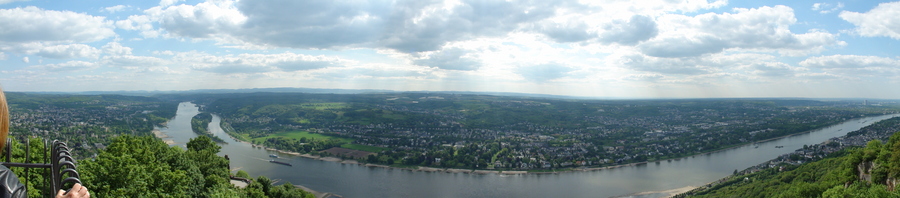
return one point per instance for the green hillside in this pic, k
(872, 171)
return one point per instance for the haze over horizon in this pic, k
(623, 49)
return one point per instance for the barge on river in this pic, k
(280, 162)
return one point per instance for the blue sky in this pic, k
(604, 48)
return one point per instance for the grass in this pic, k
(360, 147)
(241, 136)
(303, 134)
(325, 105)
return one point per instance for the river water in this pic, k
(350, 180)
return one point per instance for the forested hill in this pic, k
(870, 171)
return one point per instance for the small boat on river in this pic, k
(273, 156)
(280, 162)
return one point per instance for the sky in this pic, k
(589, 48)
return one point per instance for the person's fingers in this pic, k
(81, 191)
(60, 193)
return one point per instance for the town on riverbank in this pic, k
(476, 132)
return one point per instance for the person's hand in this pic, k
(77, 191)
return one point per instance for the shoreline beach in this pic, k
(661, 193)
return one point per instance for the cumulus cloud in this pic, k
(141, 23)
(774, 69)
(69, 66)
(849, 61)
(742, 63)
(323, 24)
(825, 8)
(407, 26)
(256, 63)
(655, 6)
(114, 9)
(195, 21)
(131, 61)
(116, 48)
(9, 1)
(32, 24)
(374, 71)
(638, 28)
(544, 72)
(165, 3)
(567, 32)
(880, 21)
(855, 65)
(51, 34)
(450, 59)
(643, 77)
(68, 51)
(25, 60)
(429, 26)
(759, 29)
(685, 66)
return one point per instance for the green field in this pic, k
(360, 147)
(302, 134)
(325, 105)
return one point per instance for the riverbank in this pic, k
(317, 193)
(518, 172)
(164, 137)
(660, 193)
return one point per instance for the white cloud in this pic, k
(544, 72)
(9, 1)
(25, 60)
(655, 6)
(855, 66)
(825, 8)
(774, 69)
(165, 3)
(139, 23)
(116, 48)
(849, 61)
(67, 51)
(32, 24)
(764, 29)
(638, 28)
(256, 63)
(374, 71)
(749, 66)
(114, 9)
(451, 59)
(131, 61)
(203, 20)
(880, 21)
(69, 66)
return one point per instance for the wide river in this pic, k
(350, 180)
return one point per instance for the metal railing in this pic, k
(62, 166)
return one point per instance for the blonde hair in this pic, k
(4, 120)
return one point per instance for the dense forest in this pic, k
(200, 126)
(871, 171)
(146, 167)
